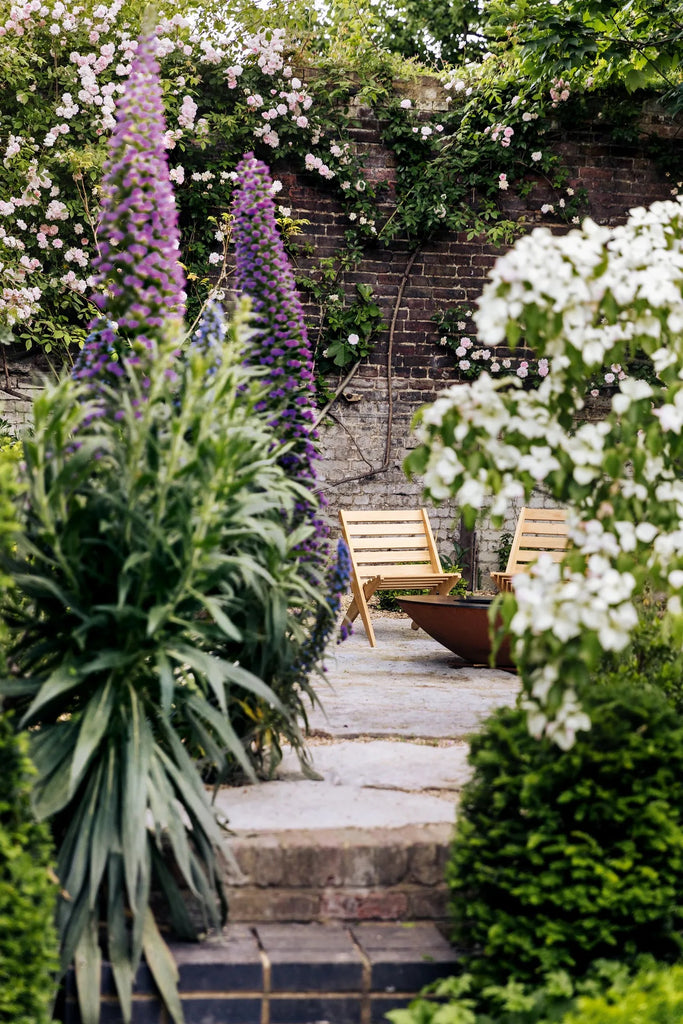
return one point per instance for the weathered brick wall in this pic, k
(20, 380)
(367, 432)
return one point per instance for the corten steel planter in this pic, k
(460, 624)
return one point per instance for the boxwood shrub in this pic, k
(28, 893)
(563, 857)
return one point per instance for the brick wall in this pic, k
(366, 433)
(20, 381)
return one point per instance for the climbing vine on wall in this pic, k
(264, 91)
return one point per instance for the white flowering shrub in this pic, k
(589, 299)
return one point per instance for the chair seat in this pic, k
(414, 582)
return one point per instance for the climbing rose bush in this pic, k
(583, 301)
(54, 131)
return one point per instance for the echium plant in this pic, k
(280, 345)
(154, 563)
(582, 301)
(138, 276)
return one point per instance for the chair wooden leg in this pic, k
(351, 612)
(367, 590)
(359, 606)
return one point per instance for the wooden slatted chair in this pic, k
(538, 529)
(392, 550)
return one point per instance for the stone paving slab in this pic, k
(280, 806)
(385, 764)
(389, 744)
(408, 685)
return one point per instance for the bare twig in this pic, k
(326, 408)
(14, 394)
(390, 395)
(351, 438)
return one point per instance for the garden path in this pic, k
(389, 741)
(368, 840)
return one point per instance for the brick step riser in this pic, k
(340, 875)
(394, 903)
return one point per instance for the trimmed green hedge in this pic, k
(28, 893)
(563, 857)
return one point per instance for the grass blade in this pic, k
(138, 747)
(118, 939)
(64, 678)
(93, 727)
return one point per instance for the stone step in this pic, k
(289, 974)
(345, 874)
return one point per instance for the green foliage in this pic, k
(504, 548)
(458, 1000)
(562, 857)
(608, 992)
(351, 329)
(28, 892)
(158, 614)
(10, 489)
(653, 657)
(654, 996)
(638, 45)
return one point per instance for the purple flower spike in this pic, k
(137, 267)
(281, 344)
(210, 335)
(264, 274)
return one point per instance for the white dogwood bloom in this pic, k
(584, 302)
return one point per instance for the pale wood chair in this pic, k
(392, 550)
(538, 529)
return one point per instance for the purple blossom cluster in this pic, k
(210, 336)
(281, 344)
(137, 266)
(338, 583)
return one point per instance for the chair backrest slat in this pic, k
(395, 540)
(538, 529)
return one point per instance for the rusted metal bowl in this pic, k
(459, 623)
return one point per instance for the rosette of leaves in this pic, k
(152, 553)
